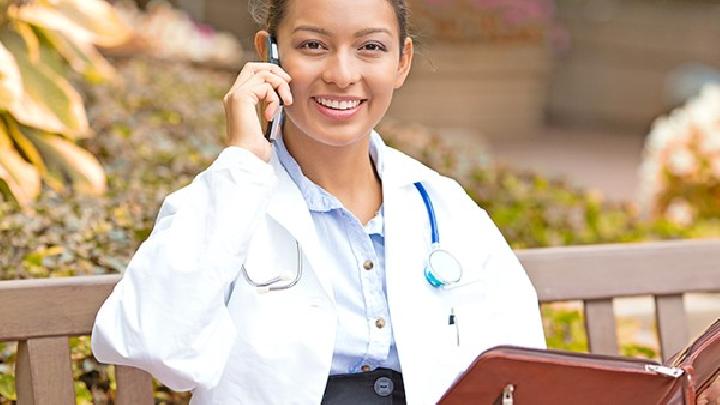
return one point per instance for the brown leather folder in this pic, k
(507, 375)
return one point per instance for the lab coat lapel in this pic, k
(289, 209)
(414, 305)
(407, 232)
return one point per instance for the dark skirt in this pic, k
(379, 387)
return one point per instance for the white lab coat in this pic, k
(184, 312)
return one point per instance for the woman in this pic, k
(340, 218)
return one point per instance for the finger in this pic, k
(264, 91)
(278, 83)
(272, 108)
(252, 68)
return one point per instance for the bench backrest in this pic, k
(41, 314)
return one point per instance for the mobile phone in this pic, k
(273, 56)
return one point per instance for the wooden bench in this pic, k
(41, 314)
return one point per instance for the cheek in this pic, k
(299, 85)
(381, 89)
(381, 79)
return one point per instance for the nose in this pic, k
(341, 69)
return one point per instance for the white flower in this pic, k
(710, 140)
(678, 143)
(680, 212)
(682, 162)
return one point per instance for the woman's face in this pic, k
(344, 60)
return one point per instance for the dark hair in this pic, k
(269, 13)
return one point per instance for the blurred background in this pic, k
(570, 121)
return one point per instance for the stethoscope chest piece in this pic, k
(442, 268)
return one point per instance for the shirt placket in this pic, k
(376, 311)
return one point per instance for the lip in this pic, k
(338, 115)
(339, 97)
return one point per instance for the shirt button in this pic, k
(380, 323)
(368, 265)
(365, 367)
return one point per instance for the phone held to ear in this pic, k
(273, 56)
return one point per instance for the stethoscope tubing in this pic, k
(435, 234)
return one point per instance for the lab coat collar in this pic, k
(398, 169)
(290, 210)
(288, 207)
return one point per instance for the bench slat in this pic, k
(671, 323)
(43, 373)
(589, 272)
(134, 386)
(600, 326)
(52, 307)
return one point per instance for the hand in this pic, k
(256, 82)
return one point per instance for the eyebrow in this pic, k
(323, 31)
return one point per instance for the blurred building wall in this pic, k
(224, 15)
(625, 59)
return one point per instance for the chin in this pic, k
(333, 135)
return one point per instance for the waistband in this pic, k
(379, 387)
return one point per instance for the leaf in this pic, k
(83, 58)
(86, 21)
(10, 81)
(50, 57)
(21, 178)
(26, 148)
(83, 396)
(32, 43)
(48, 101)
(85, 171)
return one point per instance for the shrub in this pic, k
(680, 173)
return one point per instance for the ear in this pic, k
(261, 44)
(405, 63)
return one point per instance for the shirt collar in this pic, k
(317, 198)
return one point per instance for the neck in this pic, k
(347, 172)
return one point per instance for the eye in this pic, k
(374, 47)
(312, 45)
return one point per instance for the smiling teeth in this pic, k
(338, 104)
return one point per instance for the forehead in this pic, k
(340, 16)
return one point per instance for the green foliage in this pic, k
(7, 386)
(636, 350)
(564, 328)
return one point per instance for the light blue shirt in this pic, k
(364, 339)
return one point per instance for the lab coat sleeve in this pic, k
(167, 315)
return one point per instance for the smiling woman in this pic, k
(308, 269)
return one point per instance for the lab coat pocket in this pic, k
(474, 319)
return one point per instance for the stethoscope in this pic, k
(442, 269)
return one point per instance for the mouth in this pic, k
(339, 104)
(338, 109)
